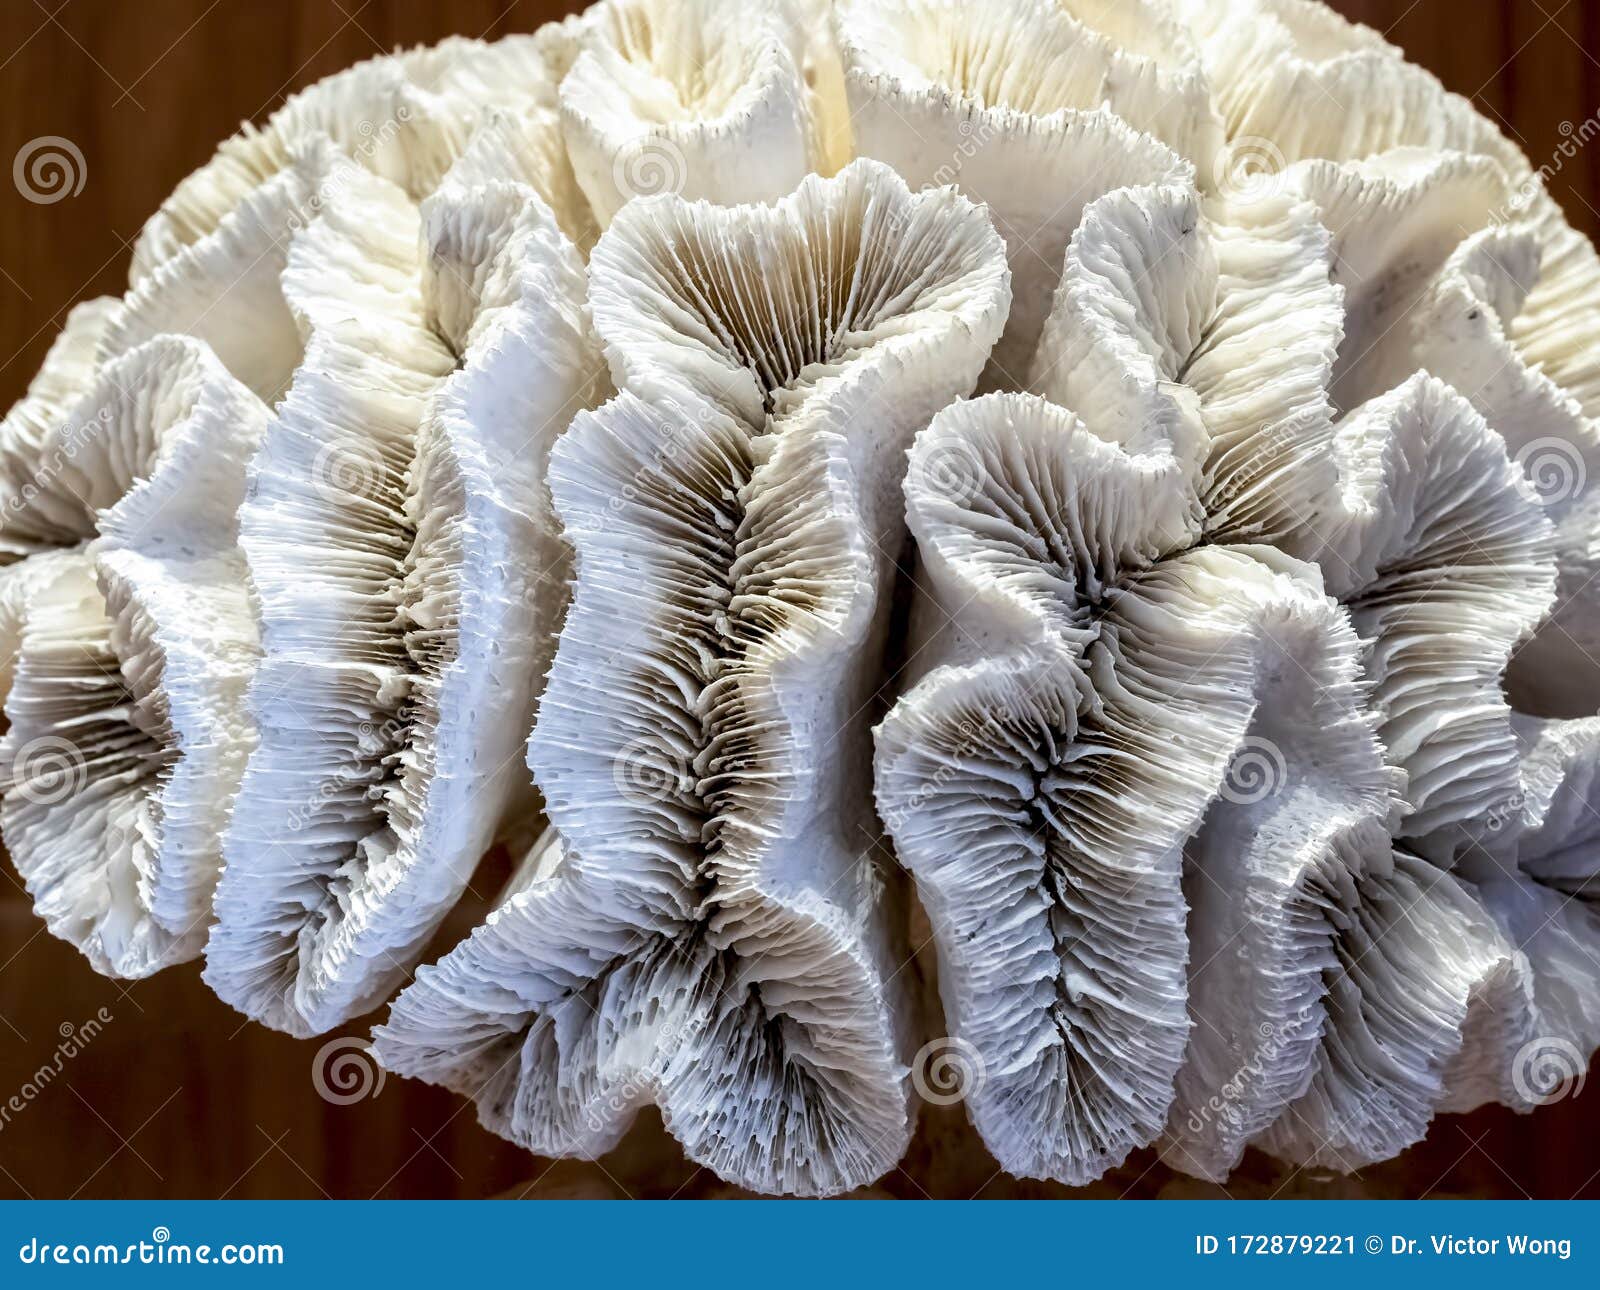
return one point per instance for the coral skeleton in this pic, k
(1111, 487)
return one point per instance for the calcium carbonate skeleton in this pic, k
(568, 437)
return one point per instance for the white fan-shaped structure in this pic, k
(402, 547)
(1024, 107)
(702, 98)
(567, 437)
(404, 116)
(713, 930)
(1093, 679)
(1498, 294)
(126, 733)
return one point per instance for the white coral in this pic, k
(1094, 675)
(1009, 102)
(126, 739)
(721, 924)
(700, 98)
(1234, 698)
(403, 552)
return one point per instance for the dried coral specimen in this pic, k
(711, 932)
(402, 547)
(1023, 106)
(704, 99)
(1460, 261)
(1095, 669)
(126, 740)
(1444, 561)
(404, 117)
(567, 438)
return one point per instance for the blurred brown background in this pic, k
(175, 1096)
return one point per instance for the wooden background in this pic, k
(175, 1097)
